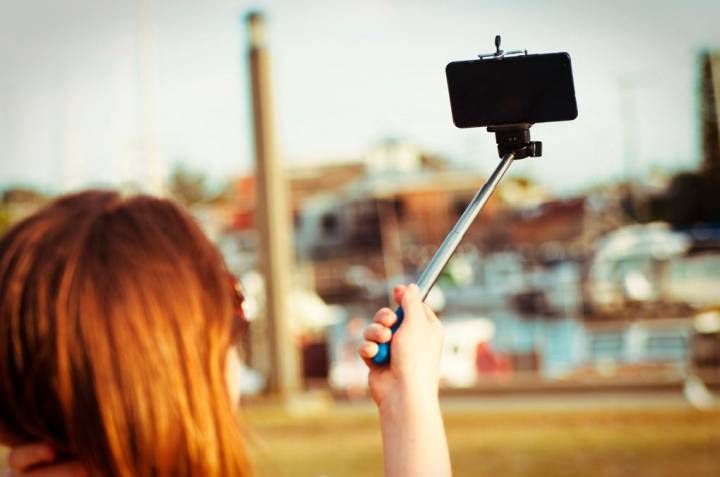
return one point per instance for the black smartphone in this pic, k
(511, 90)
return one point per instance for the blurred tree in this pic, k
(226, 193)
(709, 105)
(22, 195)
(189, 187)
(17, 203)
(5, 218)
(691, 198)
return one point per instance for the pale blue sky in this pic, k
(346, 74)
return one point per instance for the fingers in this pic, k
(368, 350)
(22, 458)
(377, 333)
(385, 317)
(398, 293)
(62, 469)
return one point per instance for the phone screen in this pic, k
(517, 89)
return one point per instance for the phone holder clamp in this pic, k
(515, 138)
(500, 54)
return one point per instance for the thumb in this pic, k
(412, 304)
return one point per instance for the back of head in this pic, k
(115, 323)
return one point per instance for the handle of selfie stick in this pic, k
(447, 248)
(383, 354)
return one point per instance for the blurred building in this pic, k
(651, 288)
(576, 287)
(359, 223)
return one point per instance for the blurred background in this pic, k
(313, 141)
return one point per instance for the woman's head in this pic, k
(116, 317)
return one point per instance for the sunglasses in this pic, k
(240, 322)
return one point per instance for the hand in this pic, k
(415, 349)
(406, 390)
(39, 460)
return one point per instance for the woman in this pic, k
(117, 326)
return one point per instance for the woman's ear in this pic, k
(7, 439)
(29, 456)
(233, 368)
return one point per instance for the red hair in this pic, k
(115, 324)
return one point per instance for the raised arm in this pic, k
(406, 391)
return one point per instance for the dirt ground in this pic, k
(492, 441)
(555, 443)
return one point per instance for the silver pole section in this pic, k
(433, 269)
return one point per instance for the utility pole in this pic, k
(273, 219)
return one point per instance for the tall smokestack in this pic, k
(272, 217)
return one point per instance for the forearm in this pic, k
(406, 390)
(413, 435)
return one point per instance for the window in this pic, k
(607, 345)
(666, 346)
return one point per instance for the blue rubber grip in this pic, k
(383, 354)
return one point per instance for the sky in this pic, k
(90, 90)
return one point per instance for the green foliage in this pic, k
(188, 187)
(191, 187)
(5, 219)
(18, 202)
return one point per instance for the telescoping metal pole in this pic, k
(436, 265)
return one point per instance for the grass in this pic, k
(602, 443)
(511, 444)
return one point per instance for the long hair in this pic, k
(116, 318)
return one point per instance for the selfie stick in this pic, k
(513, 143)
